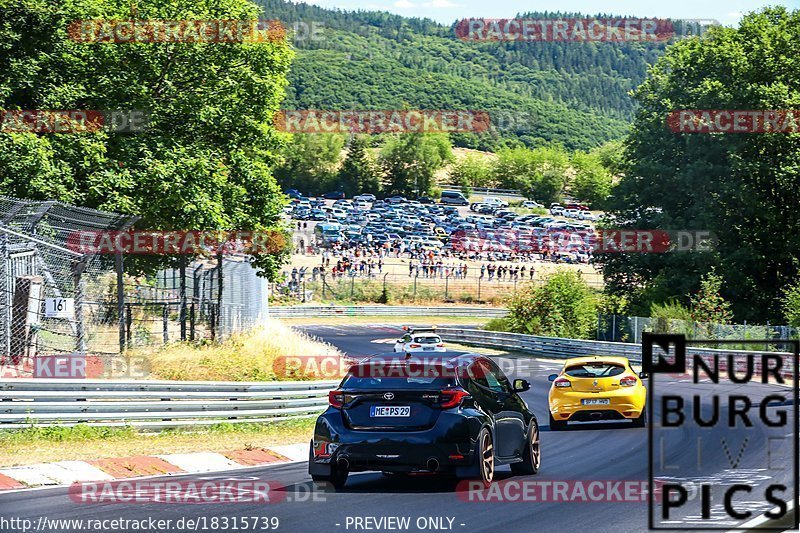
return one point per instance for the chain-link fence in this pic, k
(617, 328)
(447, 286)
(57, 299)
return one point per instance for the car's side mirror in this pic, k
(552, 377)
(520, 385)
(643, 375)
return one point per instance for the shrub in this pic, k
(564, 306)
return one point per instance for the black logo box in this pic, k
(676, 345)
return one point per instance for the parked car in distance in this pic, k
(453, 198)
(334, 195)
(532, 204)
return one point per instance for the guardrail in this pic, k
(156, 404)
(558, 348)
(484, 190)
(383, 310)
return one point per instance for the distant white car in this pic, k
(419, 341)
(531, 204)
(587, 215)
(556, 210)
(494, 202)
(572, 213)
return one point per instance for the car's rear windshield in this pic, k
(595, 370)
(396, 383)
(427, 340)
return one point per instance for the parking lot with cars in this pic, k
(485, 230)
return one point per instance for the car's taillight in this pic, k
(562, 383)
(336, 398)
(440, 345)
(415, 346)
(449, 398)
(628, 381)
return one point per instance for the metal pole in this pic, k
(120, 268)
(191, 322)
(479, 289)
(218, 315)
(80, 330)
(128, 324)
(182, 317)
(165, 322)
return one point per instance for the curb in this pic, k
(65, 473)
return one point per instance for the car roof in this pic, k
(597, 358)
(450, 358)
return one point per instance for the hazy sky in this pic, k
(726, 12)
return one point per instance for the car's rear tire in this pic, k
(531, 457)
(557, 425)
(485, 457)
(337, 477)
(641, 420)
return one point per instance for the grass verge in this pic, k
(247, 356)
(41, 445)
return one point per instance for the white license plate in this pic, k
(595, 401)
(387, 411)
(428, 348)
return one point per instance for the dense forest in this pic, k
(576, 94)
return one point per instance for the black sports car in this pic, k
(452, 412)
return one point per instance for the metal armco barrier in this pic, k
(156, 404)
(383, 310)
(558, 348)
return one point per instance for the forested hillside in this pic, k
(572, 93)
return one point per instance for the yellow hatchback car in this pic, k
(597, 388)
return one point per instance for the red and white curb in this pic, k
(69, 472)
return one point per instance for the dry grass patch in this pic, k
(244, 357)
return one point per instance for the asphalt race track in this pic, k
(591, 451)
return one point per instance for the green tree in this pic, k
(358, 173)
(564, 306)
(205, 160)
(470, 171)
(742, 188)
(310, 162)
(410, 162)
(592, 181)
(707, 304)
(791, 304)
(540, 173)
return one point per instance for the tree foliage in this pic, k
(411, 160)
(358, 173)
(205, 160)
(310, 162)
(564, 306)
(743, 188)
(576, 94)
(592, 181)
(540, 173)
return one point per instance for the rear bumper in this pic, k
(567, 406)
(448, 446)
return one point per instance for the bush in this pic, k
(791, 304)
(564, 306)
